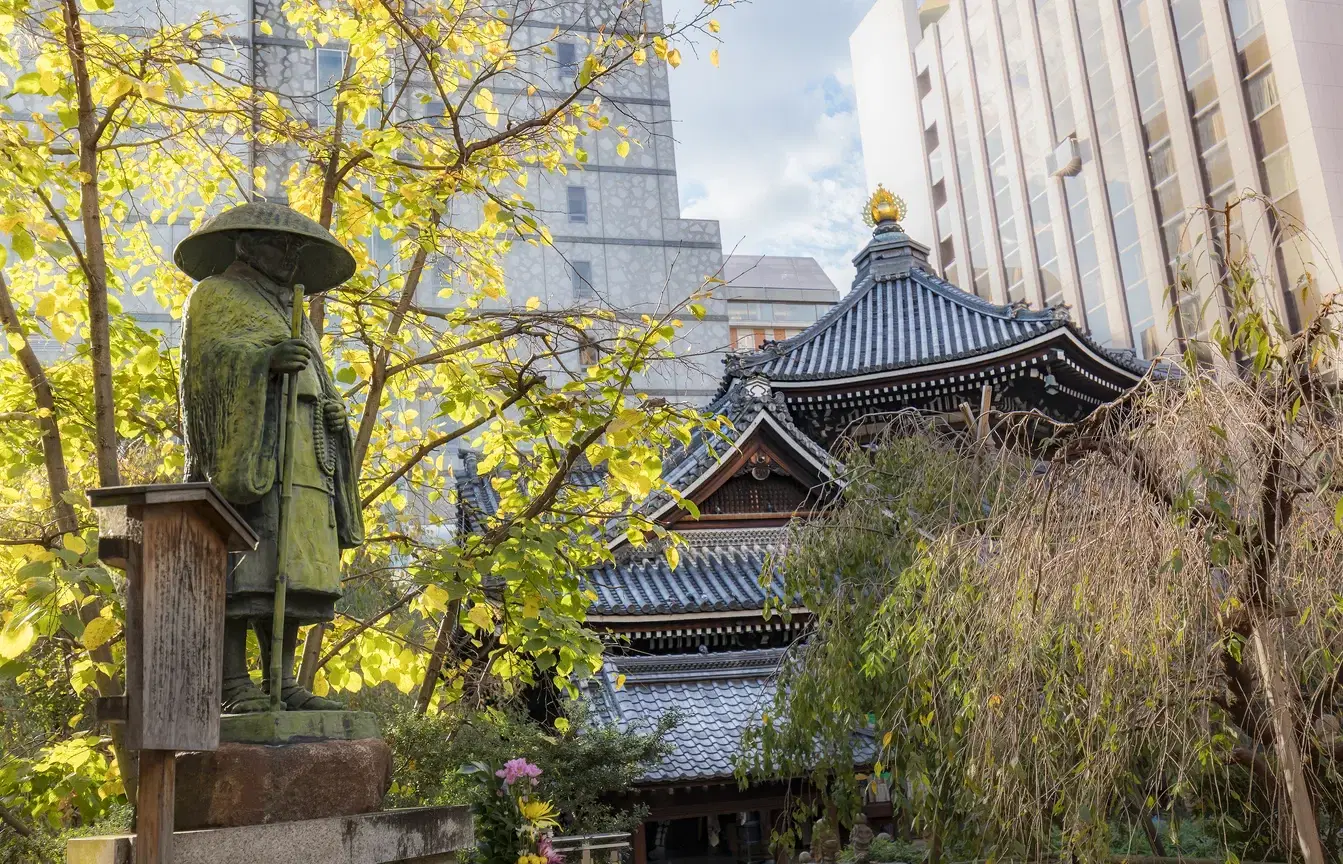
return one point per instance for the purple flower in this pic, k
(515, 769)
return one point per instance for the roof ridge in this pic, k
(956, 294)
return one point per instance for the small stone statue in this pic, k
(824, 842)
(804, 858)
(237, 355)
(860, 836)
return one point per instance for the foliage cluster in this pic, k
(587, 770)
(1134, 616)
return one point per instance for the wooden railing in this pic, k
(593, 848)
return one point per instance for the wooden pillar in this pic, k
(154, 807)
(641, 843)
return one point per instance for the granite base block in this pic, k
(253, 784)
(290, 727)
(426, 835)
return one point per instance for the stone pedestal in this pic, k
(428, 835)
(284, 767)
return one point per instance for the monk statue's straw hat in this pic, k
(322, 264)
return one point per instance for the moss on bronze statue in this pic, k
(237, 355)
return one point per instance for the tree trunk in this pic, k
(95, 256)
(312, 652)
(446, 628)
(1280, 701)
(58, 476)
(58, 485)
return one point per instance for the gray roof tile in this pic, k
(710, 578)
(714, 696)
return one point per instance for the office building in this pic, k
(1071, 151)
(772, 298)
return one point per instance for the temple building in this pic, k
(693, 639)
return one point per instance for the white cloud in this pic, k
(768, 143)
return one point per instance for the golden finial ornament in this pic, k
(884, 206)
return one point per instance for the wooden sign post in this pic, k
(172, 540)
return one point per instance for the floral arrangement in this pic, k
(513, 826)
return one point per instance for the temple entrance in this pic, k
(715, 839)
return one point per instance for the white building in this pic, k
(1056, 150)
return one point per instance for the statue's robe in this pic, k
(233, 406)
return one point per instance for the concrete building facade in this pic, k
(1073, 151)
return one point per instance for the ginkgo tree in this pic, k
(417, 157)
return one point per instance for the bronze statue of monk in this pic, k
(237, 355)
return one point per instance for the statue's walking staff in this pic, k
(285, 536)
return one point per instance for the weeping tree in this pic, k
(1048, 644)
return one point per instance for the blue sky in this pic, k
(767, 143)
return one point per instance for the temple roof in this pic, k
(714, 696)
(899, 315)
(719, 571)
(913, 320)
(748, 410)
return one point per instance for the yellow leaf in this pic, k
(620, 682)
(16, 342)
(435, 598)
(673, 557)
(14, 641)
(533, 303)
(120, 87)
(217, 65)
(886, 739)
(481, 616)
(713, 56)
(99, 632)
(713, 25)
(531, 606)
(46, 305)
(75, 544)
(640, 56)
(146, 360)
(674, 57)
(265, 28)
(152, 91)
(623, 149)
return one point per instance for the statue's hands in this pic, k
(334, 414)
(291, 355)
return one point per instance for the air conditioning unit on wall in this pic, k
(1066, 160)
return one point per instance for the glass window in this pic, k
(1245, 19)
(1056, 74)
(1280, 173)
(578, 204)
(794, 313)
(330, 71)
(1217, 170)
(1126, 229)
(1270, 131)
(580, 275)
(566, 61)
(1261, 92)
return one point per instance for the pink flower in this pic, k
(547, 850)
(515, 769)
